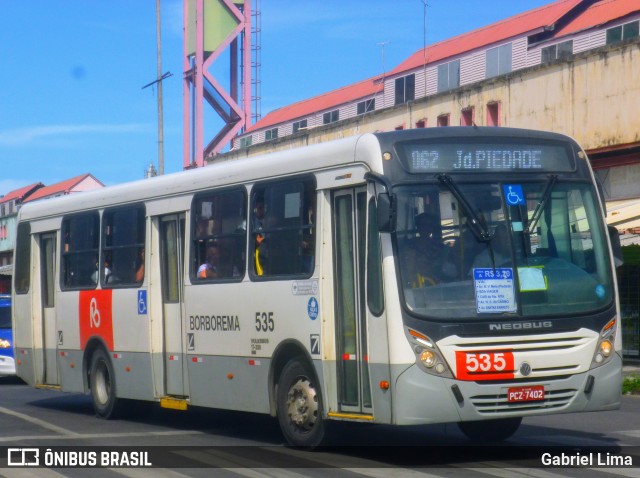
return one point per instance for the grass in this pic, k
(631, 385)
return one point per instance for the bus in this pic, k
(461, 275)
(7, 362)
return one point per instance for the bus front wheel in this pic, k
(103, 386)
(300, 406)
(490, 430)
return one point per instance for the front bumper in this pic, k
(423, 398)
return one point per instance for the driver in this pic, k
(430, 261)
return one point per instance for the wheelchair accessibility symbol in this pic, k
(513, 194)
(142, 302)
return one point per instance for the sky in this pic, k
(72, 72)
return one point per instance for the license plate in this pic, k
(526, 394)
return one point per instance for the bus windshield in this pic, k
(473, 250)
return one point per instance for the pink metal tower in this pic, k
(211, 27)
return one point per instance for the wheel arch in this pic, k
(93, 344)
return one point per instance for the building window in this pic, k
(467, 117)
(405, 89)
(443, 120)
(421, 123)
(366, 106)
(449, 76)
(623, 32)
(493, 113)
(330, 117)
(499, 60)
(246, 141)
(271, 134)
(556, 52)
(298, 125)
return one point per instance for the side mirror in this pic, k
(386, 213)
(616, 247)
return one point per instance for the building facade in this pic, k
(10, 205)
(570, 67)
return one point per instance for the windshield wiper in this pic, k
(475, 223)
(537, 213)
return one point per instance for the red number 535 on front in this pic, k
(490, 365)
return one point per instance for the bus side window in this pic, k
(283, 228)
(22, 276)
(81, 233)
(219, 235)
(123, 246)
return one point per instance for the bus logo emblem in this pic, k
(525, 369)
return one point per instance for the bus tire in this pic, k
(490, 430)
(299, 406)
(103, 386)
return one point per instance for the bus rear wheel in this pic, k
(103, 386)
(300, 406)
(490, 430)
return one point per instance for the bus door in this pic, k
(172, 280)
(49, 372)
(349, 228)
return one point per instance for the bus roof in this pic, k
(294, 161)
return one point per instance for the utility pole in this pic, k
(160, 113)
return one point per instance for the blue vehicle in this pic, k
(7, 362)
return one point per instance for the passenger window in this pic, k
(23, 259)
(80, 247)
(123, 250)
(283, 232)
(219, 236)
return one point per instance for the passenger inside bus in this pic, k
(210, 268)
(307, 245)
(107, 272)
(140, 265)
(259, 237)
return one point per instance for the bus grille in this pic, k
(490, 404)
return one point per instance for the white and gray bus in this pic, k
(437, 275)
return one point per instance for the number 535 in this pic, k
(264, 321)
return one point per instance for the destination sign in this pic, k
(474, 157)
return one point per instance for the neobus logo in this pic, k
(521, 326)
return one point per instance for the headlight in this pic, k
(605, 347)
(5, 344)
(428, 356)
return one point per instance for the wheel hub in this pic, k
(302, 404)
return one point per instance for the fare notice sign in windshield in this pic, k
(484, 157)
